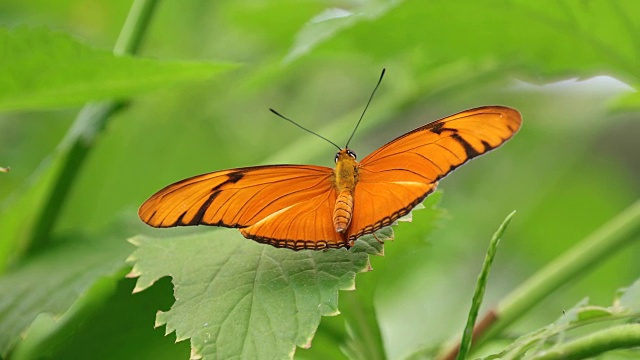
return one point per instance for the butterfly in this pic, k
(316, 207)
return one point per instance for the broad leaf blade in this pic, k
(123, 331)
(238, 298)
(562, 38)
(44, 69)
(49, 283)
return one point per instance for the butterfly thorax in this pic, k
(346, 177)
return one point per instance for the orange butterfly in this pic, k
(316, 207)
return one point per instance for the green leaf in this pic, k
(47, 332)
(81, 74)
(238, 298)
(627, 102)
(555, 341)
(478, 295)
(538, 338)
(629, 298)
(548, 38)
(331, 21)
(44, 69)
(121, 329)
(46, 285)
(610, 237)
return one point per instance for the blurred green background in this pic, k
(570, 67)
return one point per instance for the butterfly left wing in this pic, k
(282, 205)
(398, 176)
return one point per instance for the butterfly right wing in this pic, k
(283, 205)
(399, 175)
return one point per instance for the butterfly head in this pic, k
(345, 154)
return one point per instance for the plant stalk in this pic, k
(578, 261)
(89, 123)
(589, 346)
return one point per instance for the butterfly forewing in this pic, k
(399, 175)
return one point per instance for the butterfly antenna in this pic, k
(305, 129)
(366, 107)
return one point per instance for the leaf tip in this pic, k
(134, 240)
(306, 345)
(334, 312)
(194, 354)
(138, 289)
(134, 273)
(367, 267)
(178, 338)
(160, 321)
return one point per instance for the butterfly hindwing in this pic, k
(305, 225)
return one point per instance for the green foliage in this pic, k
(152, 120)
(555, 341)
(46, 285)
(44, 69)
(478, 295)
(239, 298)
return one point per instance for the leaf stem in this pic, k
(89, 123)
(134, 27)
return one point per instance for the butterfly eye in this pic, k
(352, 154)
(337, 156)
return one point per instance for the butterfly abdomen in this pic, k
(343, 211)
(346, 178)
